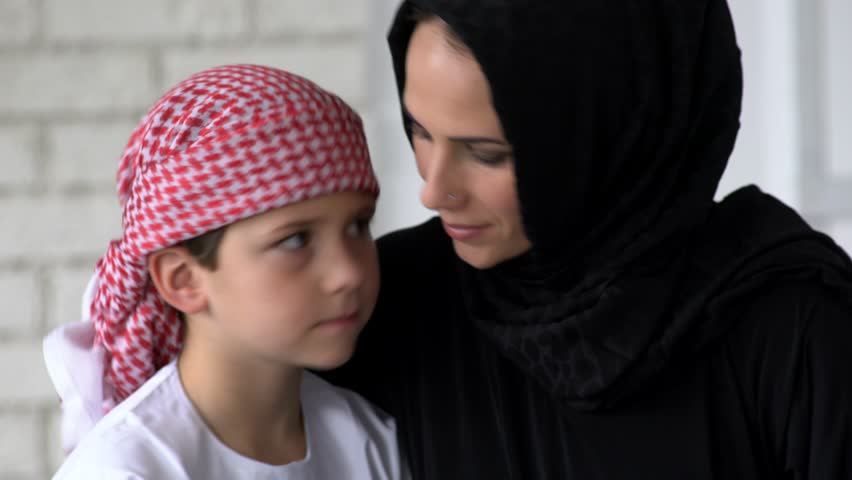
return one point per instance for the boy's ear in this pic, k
(177, 278)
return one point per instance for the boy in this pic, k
(245, 258)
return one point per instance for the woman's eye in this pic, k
(360, 227)
(491, 159)
(294, 242)
(419, 132)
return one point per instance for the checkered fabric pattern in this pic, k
(223, 145)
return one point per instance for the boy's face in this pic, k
(297, 284)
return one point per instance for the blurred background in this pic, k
(76, 75)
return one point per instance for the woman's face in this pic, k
(461, 151)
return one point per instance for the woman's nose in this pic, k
(440, 180)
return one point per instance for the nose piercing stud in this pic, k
(451, 196)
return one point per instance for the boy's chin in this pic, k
(332, 360)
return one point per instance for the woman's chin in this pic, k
(483, 257)
(479, 257)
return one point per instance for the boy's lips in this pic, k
(463, 232)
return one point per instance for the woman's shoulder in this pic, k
(797, 324)
(790, 355)
(793, 315)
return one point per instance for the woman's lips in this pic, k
(463, 232)
(343, 322)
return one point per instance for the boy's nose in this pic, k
(346, 269)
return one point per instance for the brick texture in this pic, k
(86, 153)
(52, 228)
(20, 300)
(299, 16)
(151, 21)
(67, 289)
(19, 444)
(47, 83)
(23, 375)
(17, 156)
(17, 22)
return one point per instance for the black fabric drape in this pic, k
(622, 116)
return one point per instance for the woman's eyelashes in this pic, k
(485, 157)
(491, 159)
(361, 226)
(418, 131)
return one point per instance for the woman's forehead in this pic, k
(444, 88)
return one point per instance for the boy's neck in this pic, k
(252, 406)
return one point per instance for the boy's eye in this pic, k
(294, 242)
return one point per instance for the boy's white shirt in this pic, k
(76, 368)
(157, 433)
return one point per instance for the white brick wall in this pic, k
(75, 77)
(56, 83)
(17, 22)
(55, 227)
(18, 156)
(67, 285)
(86, 153)
(25, 379)
(20, 446)
(151, 21)
(297, 16)
(20, 300)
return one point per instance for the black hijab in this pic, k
(622, 116)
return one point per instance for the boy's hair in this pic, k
(205, 247)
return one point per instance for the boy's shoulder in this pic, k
(345, 426)
(122, 452)
(342, 408)
(136, 439)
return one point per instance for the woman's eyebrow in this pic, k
(471, 140)
(474, 140)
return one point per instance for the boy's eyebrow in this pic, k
(310, 221)
(466, 140)
(292, 225)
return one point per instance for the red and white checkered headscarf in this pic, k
(223, 145)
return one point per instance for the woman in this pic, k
(582, 308)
